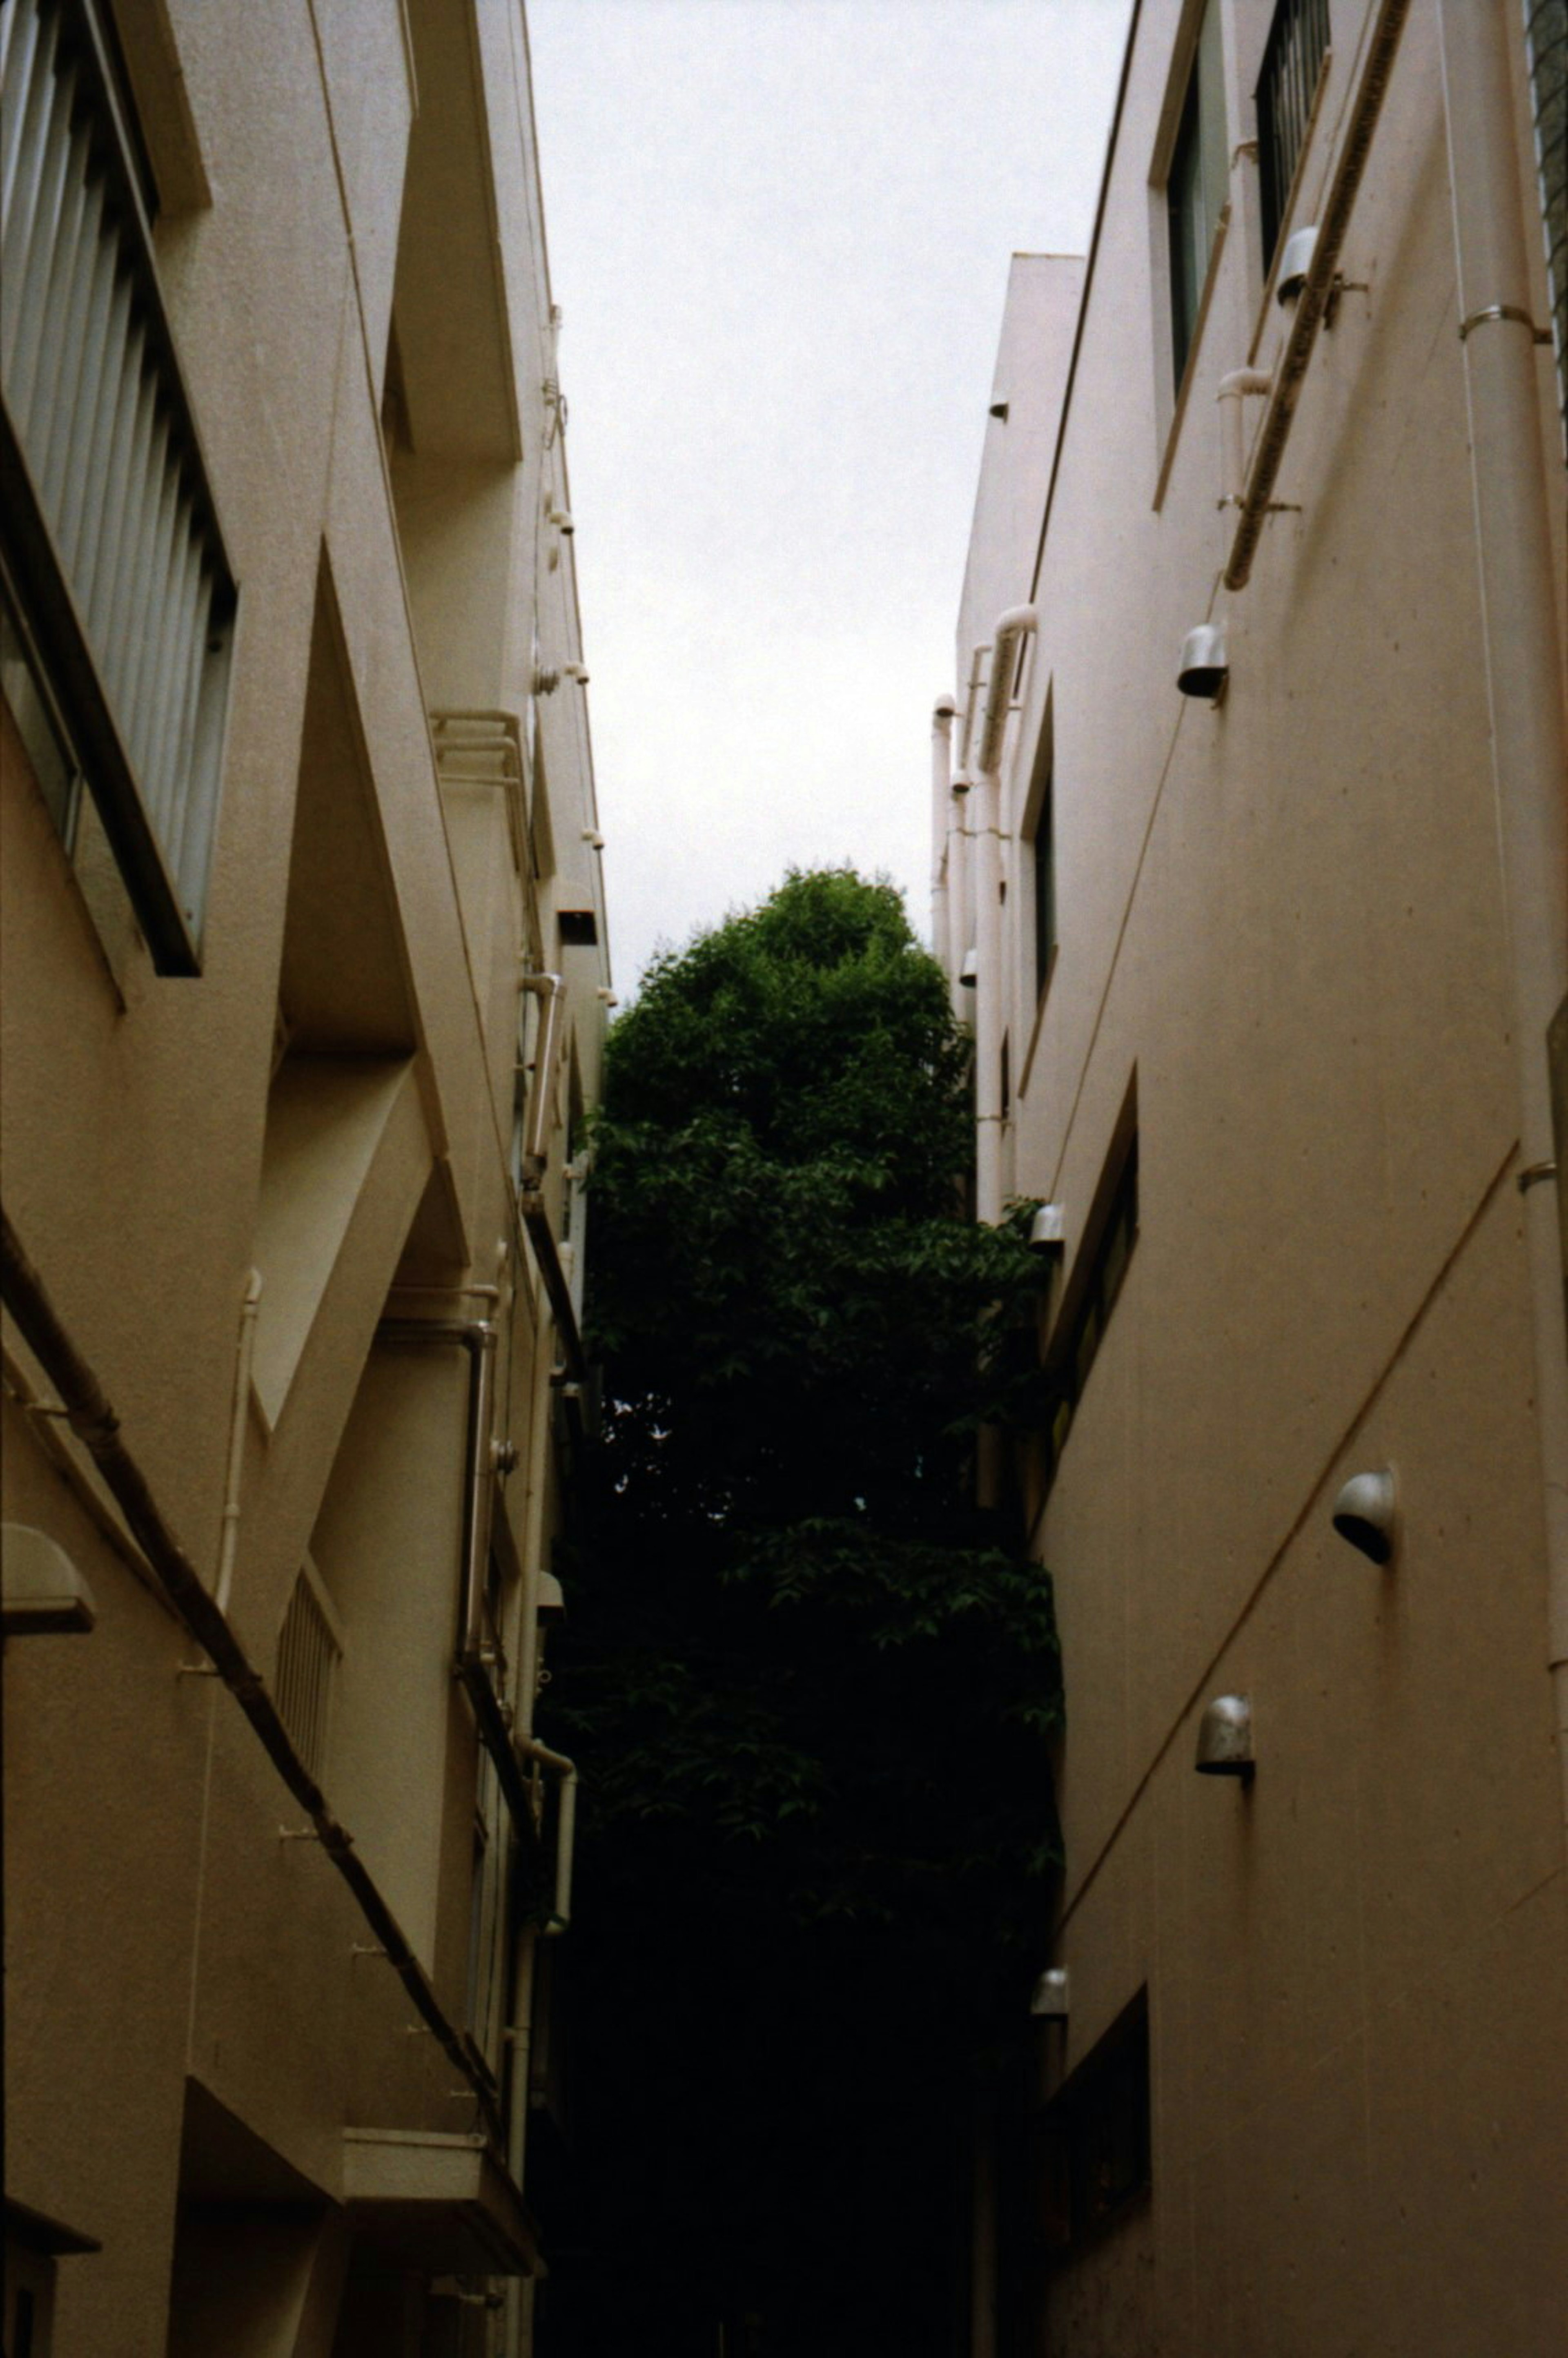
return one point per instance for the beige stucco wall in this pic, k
(158, 1923)
(1279, 922)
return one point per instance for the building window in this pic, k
(1196, 187)
(309, 1649)
(24, 686)
(1287, 86)
(111, 543)
(1096, 2144)
(1043, 865)
(1077, 1346)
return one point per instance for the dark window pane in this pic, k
(1044, 891)
(1293, 57)
(1195, 187)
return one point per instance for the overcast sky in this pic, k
(779, 231)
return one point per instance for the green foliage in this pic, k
(811, 1689)
(799, 1656)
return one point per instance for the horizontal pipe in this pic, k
(97, 1427)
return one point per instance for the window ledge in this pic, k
(1189, 375)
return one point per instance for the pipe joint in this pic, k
(1016, 624)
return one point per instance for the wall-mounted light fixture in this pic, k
(1294, 264)
(1224, 1738)
(1048, 1999)
(1048, 1228)
(575, 671)
(593, 838)
(1367, 1513)
(969, 970)
(45, 1596)
(1205, 668)
(962, 782)
(562, 520)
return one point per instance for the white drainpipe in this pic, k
(244, 1353)
(989, 979)
(1524, 686)
(1233, 390)
(961, 901)
(941, 803)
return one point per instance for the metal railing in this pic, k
(113, 534)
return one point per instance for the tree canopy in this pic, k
(811, 1685)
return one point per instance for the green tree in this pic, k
(812, 1686)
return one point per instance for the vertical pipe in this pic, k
(988, 1001)
(479, 1338)
(1524, 688)
(239, 1415)
(519, 2307)
(941, 803)
(960, 910)
(539, 1441)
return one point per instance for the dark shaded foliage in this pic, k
(811, 1686)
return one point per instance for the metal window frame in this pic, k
(1284, 100)
(39, 579)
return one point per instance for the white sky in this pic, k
(779, 231)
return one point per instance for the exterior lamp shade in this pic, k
(1224, 1738)
(1048, 2001)
(1048, 1228)
(1294, 264)
(1365, 1513)
(45, 1596)
(969, 971)
(1204, 668)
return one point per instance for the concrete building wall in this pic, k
(348, 241)
(1282, 966)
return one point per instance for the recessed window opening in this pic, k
(1287, 84)
(1097, 2142)
(24, 682)
(1038, 834)
(1042, 863)
(1195, 186)
(111, 533)
(1074, 1352)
